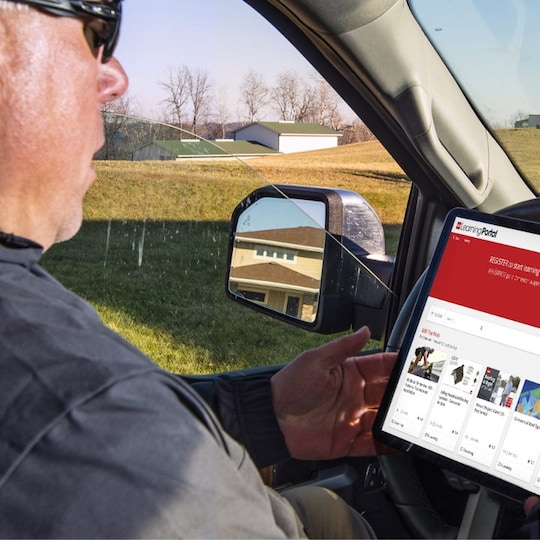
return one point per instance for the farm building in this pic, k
(199, 149)
(289, 137)
(255, 140)
(532, 121)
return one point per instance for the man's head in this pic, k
(54, 78)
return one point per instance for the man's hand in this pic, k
(326, 400)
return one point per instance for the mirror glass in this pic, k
(277, 256)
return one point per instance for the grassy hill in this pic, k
(524, 145)
(204, 190)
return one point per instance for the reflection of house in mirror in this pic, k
(280, 268)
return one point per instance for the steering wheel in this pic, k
(401, 471)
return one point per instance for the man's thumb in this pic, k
(337, 351)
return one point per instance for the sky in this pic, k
(227, 38)
(224, 37)
(494, 48)
(278, 213)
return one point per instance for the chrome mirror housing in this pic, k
(309, 256)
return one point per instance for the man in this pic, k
(95, 440)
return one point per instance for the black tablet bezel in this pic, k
(482, 478)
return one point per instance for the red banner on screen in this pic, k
(490, 277)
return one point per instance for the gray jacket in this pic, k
(97, 441)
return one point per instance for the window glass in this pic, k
(151, 254)
(493, 49)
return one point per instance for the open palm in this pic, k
(327, 398)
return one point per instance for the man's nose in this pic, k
(113, 81)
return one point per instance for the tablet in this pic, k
(465, 391)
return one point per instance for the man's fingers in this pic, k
(373, 393)
(365, 444)
(366, 378)
(374, 370)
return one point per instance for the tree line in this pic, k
(193, 102)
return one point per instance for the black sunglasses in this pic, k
(102, 26)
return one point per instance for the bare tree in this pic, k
(222, 111)
(518, 116)
(200, 88)
(115, 119)
(284, 95)
(177, 86)
(255, 94)
(325, 105)
(304, 104)
(356, 132)
(125, 104)
(188, 96)
(292, 98)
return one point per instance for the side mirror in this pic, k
(313, 257)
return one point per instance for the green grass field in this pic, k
(524, 145)
(151, 254)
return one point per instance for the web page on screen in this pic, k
(470, 386)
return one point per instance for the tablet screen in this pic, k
(465, 391)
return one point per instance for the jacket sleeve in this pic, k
(243, 403)
(142, 458)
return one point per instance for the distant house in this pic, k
(532, 121)
(200, 149)
(288, 137)
(280, 268)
